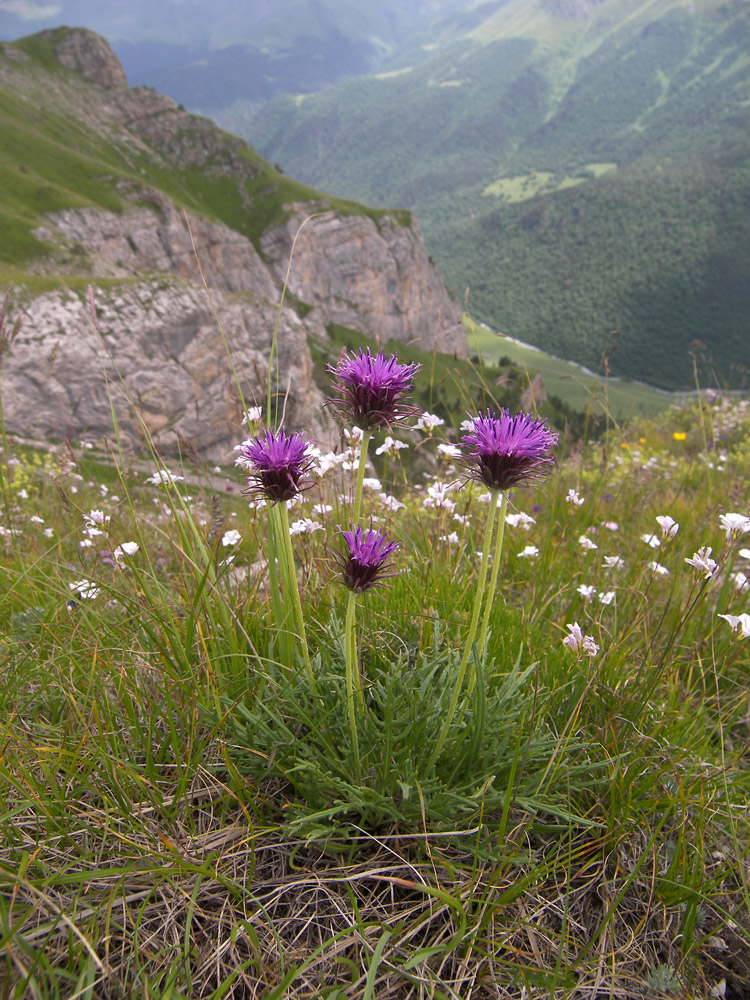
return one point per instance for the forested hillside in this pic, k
(580, 168)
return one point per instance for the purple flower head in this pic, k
(279, 464)
(372, 389)
(365, 563)
(508, 451)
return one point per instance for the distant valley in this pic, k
(578, 168)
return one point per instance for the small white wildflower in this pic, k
(49, 532)
(304, 526)
(390, 503)
(324, 463)
(22, 495)
(467, 425)
(104, 489)
(606, 596)
(578, 642)
(669, 527)
(87, 445)
(451, 539)
(463, 519)
(389, 444)
(355, 436)
(574, 498)
(611, 525)
(428, 422)
(126, 549)
(231, 537)
(92, 532)
(485, 498)
(84, 589)
(530, 552)
(322, 508)
(437, 496)
(586, 544)
(651, 540)
(658, 569)
(739, 624)
(702, 562)
(520, 520)
(449, 450)
(253, 416)
(35, 519)
(586, 591)
(740, 581)
(613, 562)
(744, 553)
(96, 517)
(85, 543)
(163, 477)
(735, 525)
(370, 483)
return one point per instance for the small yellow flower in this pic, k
(641, 440)
(679, 435)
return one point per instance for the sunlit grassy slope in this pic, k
(62, 147)
(574, 385)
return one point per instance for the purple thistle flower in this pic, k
(279, 464)
(508, 451)
(372, 389)
(365, 564)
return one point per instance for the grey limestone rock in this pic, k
(373, 276)
(156, 353)
(92, 55)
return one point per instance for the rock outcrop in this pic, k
(92, 56)
(168, 363)
(374, 277)
(176, 289)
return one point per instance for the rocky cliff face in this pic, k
(176, 279)
(155, 351)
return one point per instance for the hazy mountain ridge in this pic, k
(532, 162)
(230, 57)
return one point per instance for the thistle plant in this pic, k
(364, 566)
(371, 393)
(502, 452)
(278, 467)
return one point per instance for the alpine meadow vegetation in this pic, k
(458, 709)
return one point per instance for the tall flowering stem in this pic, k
(359, 488)
(292, 588)
(495, 573)
(278, 466)
(355, 701)
(364, 565)
(502, 452)
(486, 545)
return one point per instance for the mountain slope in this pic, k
(116, 187)
(581, 166)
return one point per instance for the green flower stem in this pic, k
(472, 629)
(352, 660)
(353, 681)
(360, 477)
(275, 553)
(493, 578)
(288, 570)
